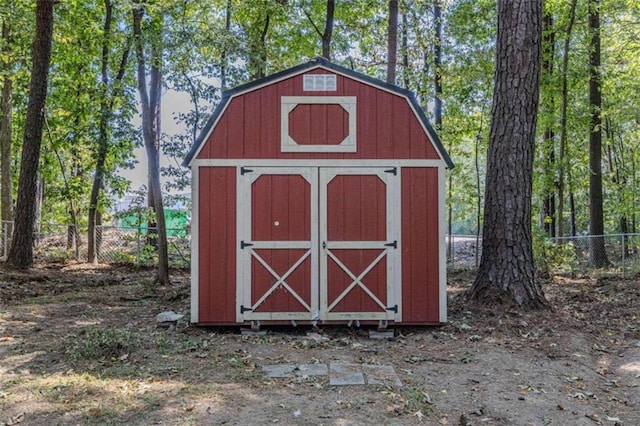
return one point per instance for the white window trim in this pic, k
(319, 82)
(288, 103)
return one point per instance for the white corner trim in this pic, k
(348, 103)
(195, 205)
(442, 245)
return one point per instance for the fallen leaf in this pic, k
(419, 415)
(594, 417)
(189, 407)
(18, 418)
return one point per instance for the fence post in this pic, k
(624, 255)
(5, 239)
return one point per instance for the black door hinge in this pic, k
(393, 171)
(393, 244)
(243, 309)
(243, 244)
(394, 309)
(244, 170)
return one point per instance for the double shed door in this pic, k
(318, 243)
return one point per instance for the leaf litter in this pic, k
(483, 367)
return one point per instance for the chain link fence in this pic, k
(617, 254)
(125, 245)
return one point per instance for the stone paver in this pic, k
(278, 371)
(340, 374)
(381, 375)
(345, 374)
(312, 370)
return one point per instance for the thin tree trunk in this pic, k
(597, 253)
(107, 100)
(150, 106)
(392, 41)
(437, 64)
(21, 252)
(328, 29)
(549, 202)
(564, 94)
(506, 274)
(6, 187)
(223, 56)
(405, 51)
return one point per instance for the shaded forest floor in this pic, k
(80, 345)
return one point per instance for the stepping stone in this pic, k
(381, 375)
(312, 370)
(345, 374)
(382, 335)
(276, 371)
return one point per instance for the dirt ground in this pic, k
(80, 345)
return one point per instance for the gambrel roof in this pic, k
(318, 63)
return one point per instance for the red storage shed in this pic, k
(318, 197)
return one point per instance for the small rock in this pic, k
(168, 316)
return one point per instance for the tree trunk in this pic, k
(405, 52)
(223, 55)
(564, 94)
(506, 274)
(328, 29)
(21, 252)
(550, 184)
(392, 41)
(6, 185)
(107, 100)
(437, 65)
(150, 106)
(597, 253)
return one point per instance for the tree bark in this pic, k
(392, 41)
(506, 274)
(21, 252)
(150, 106)
(5, 136)
(597, 253)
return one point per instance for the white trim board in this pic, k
(235, 162)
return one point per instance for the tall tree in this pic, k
(21, 252)
(506, 273)
(392, 41)
(326, 35)
(437, 64)
(548, 213)
(597, 253)
(6, 187)
(564, 100)
(109, 92)
(150, 106)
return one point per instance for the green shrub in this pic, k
(552, 257)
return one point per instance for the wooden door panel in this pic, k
(281, 208)
(359, 233)
(356, 209)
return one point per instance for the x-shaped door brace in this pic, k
(280, 280)
(357, 281)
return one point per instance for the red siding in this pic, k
(387, 127)
(217, 245)
(420, 254)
